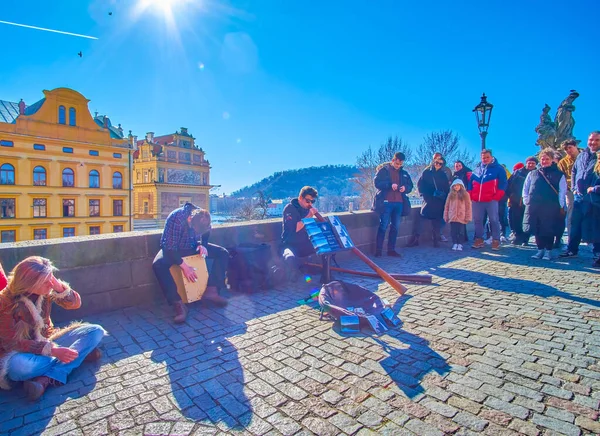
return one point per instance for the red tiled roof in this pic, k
(160, 139)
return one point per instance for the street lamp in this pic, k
(483, 111)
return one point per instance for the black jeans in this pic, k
(575, 231)
(216, 276)
(456, 229)
(515, 218)
(544, 242)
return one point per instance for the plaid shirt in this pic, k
(178, 235)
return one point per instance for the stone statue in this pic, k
(551, 134)
(546, 129)
(564, 120)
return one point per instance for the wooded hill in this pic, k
(328, 180)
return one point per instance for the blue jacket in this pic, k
(488, 182)
(582, 175)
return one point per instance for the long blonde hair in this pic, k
(597, 166)
(29, 274)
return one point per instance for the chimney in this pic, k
(134, 141)
(150, 137)
(105, 122)
(184, 131)
(22, 107)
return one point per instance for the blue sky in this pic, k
(289, 84)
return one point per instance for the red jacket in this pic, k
(3, 280)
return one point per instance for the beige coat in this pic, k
(458, 211)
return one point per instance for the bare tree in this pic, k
(367, 163)
(262, 204)
(246, 211)
(445, 142)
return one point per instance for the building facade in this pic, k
(62, 172)
(168, 171)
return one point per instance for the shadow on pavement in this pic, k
(20, 417)
(508, 284)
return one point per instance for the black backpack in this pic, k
(251, 268)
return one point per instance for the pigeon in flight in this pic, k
(80, 54)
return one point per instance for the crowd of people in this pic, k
(541, 197)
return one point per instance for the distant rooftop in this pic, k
(9, 111)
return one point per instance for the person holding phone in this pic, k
(391, 202)
(32, 350)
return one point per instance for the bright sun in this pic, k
(166, 7)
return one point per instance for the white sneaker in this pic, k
(548, 255)
(488, 241)
(455, 247)
(459, 248)
(503, 239)
(538, 255)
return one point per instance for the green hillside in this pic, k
(329, 180)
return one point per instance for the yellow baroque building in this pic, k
(168, 171)
(62, 172)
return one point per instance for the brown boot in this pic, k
(211, 295)
(94, 356)
(495, 245)
(36, 387)
(478, 243)
(180, 312)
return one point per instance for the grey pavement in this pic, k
(499, 344)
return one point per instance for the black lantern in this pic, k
(483, 111)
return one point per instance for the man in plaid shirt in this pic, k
(186, 232)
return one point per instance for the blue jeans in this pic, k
(391, 215)
(25, 366)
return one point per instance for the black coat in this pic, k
(542, 214)
(383, 184)
(591, 222)
(514, 188)
(464, 174)
(430, 181)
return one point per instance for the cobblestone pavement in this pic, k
(499, 344)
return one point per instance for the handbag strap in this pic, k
(433, 176)
(548, 181)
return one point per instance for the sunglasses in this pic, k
(438, 163)
(310, 200)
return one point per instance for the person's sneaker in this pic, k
(455, 247)
(394, 253)
(503, 239)
(488, 241)
(547, 255)
(478, 243)
(538, 255)
(495, 245)
(568, 253)
(443, 238)
(459, 247)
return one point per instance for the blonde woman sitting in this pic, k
(32, 350)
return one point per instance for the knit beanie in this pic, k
(533, 158)
(518, 166)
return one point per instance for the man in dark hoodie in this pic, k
(294, 239)
(516, 209)
(186, 233)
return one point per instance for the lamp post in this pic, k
(483, 111)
